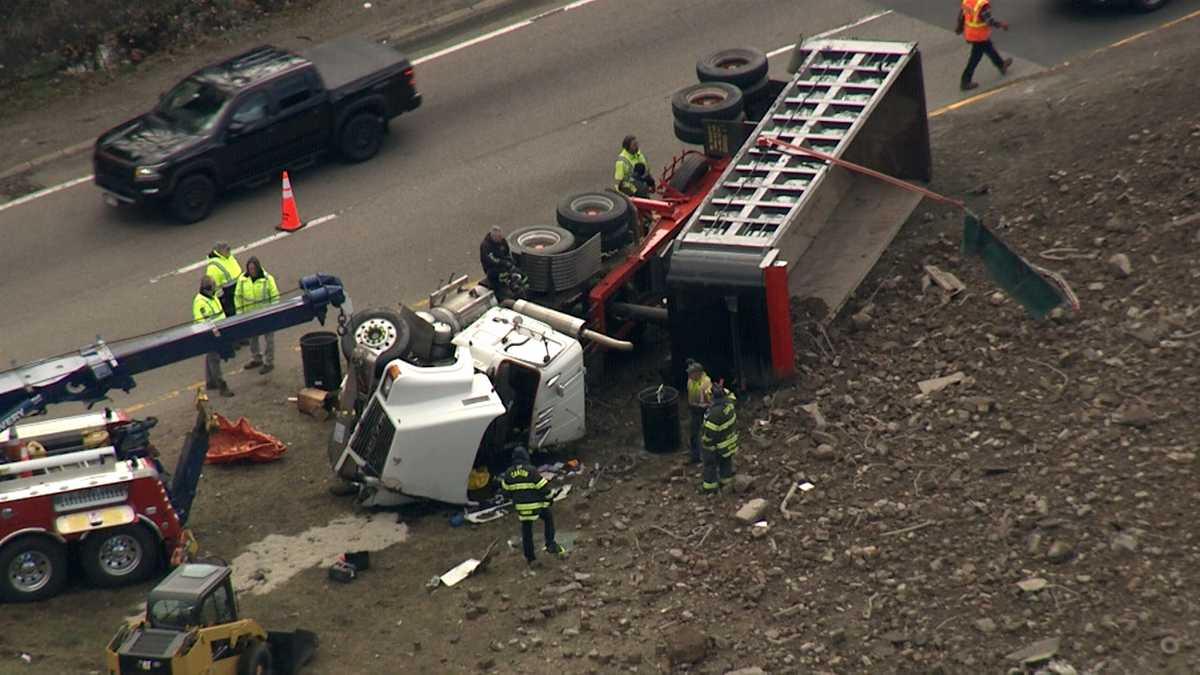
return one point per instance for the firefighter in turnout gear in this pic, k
(719, 440)
(532, 499)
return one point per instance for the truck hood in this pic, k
(148, 139)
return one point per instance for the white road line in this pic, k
(254, 244)
(424, 59)
(42, 193)
(500, 31)
(833, 31)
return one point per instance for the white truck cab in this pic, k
(505, 379)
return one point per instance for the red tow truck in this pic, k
(90, 487)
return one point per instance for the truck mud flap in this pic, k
(290, 650)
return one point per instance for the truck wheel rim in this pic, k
(30, 571)
(538, 239)
(378, 335)
(732, 63)
(592, 205)
(120, 555)
(708, 97)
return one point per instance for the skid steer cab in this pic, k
(192, 627)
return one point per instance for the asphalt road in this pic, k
(509, 126)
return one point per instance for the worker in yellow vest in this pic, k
(699, 397)
(631, 174)
(975, 23)
(255, 289)
(225, 271)
(206, 307)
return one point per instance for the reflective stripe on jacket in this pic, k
(255, 293)
(975, 27)
(205, 308)
(527, 489)
(223, 269)
(623, 174)
(699, 392)
(719, 432)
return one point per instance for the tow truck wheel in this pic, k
(255, 659)
(32, 568)
(361, 137)
(740, 66)
(709, 100)
(382, 331)
(193, 198)
(589, 213)
(119, 555)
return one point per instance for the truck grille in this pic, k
(373, 439)
(90, 498)
(115, 177)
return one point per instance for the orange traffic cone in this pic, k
(289, 221)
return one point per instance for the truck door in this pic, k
(558, 414)
(248, 132)
(301, 124)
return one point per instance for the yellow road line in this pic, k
(972, 99)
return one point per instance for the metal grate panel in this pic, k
(763, 189)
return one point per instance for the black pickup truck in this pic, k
(242, 121)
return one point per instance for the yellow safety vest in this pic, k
(205, 308)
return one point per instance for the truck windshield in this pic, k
(177, 614)
(193, 105)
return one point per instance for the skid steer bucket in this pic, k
(291, 649)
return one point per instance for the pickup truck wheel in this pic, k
(255, 659)
(740, 66)
(382, 331)
(361, 137)
(117, 556)
(588, 213)
(540, 240)
(709, 100)
(193, 198)
(32, 568)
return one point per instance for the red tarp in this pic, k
(241, 442)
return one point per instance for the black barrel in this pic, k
(322, 361)
(660, 418)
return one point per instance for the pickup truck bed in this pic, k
(349, 65)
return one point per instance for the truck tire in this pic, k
(193, 198)
(117, 556)
(32, 568)
(689, 134)
(754, 92)
(589, 213)
(690, 169)
(709, 100)
(540, 240)
(740, 66)
(361, 137)
(255, 659)
(382, 331)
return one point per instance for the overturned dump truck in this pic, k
(779, 224)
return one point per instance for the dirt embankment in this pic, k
(41, 38)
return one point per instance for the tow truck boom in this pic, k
(90, 373)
